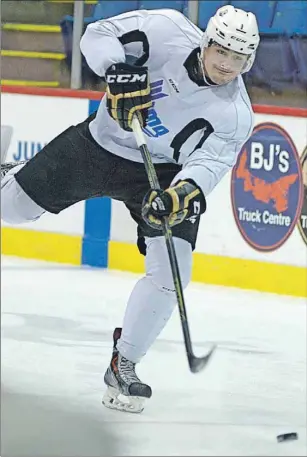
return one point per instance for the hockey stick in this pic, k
(196, 364)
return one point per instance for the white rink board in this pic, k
(69, 221)
(37, 120)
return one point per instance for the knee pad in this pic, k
(158, 268)
(16, 206)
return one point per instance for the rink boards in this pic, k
(251, 236)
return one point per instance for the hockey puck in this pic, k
(287, 437)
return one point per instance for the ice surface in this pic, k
(57, 325)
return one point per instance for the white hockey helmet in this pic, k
(233, 29)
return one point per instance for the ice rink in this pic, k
(57, 325)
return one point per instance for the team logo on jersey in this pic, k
(266, 188)
(302, 221)
(154, 126)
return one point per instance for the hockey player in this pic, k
(187, 87)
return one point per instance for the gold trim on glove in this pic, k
(138, 93)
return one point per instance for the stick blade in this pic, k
(197, 364)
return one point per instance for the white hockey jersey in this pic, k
(198, 126)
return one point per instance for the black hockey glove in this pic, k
(183, 201)
(128, 91)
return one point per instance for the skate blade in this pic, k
(113, 399)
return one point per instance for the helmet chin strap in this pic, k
(201, 64)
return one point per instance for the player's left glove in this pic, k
(183, 201)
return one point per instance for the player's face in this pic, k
(223, 65)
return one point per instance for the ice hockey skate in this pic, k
(125, 390)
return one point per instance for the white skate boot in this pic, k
(125, 390)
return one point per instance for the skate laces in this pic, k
(126, 370)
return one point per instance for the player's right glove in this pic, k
(128, 93)
(177, 203)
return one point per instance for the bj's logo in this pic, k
(267, 188)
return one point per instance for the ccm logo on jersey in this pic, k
(126, 78)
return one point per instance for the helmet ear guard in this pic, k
(249, 63)
(233, 29)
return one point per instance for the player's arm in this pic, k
(202, 171)
(142, 35)
(139, 34)
(103, 42)
(128, 86)
(207, 165)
